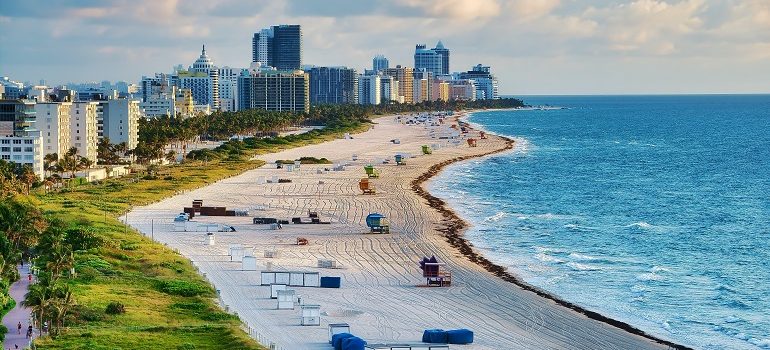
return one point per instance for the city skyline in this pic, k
(534, 47)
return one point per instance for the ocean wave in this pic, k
(657, 268)
(578, 256)
(494, 218)
(650, 276)
(583, 267)
(641, 225)
(548, 258)
(579, 228)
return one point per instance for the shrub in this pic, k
(186, 346)
(182, 288)
(115, 308)
(193, 305)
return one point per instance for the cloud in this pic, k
(464, 10)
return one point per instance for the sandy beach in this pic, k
(383, 295)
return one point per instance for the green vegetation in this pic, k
(105, 286)
(305, 160)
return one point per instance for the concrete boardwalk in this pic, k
(19, 314)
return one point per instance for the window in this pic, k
(6, 157)
(28, 157)
(5, 149)
(16, 142)
(17, 149)
(17, 157)
(77, 138)
(49, 134)
(28, 149)
(5, 142)
(27, 142)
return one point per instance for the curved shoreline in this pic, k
(453, 231)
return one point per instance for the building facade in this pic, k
(369, 90)
(228, 88)
(380, 63)
(202, 79)
(53, 121)
(118, 119)
(405, 78)
(274, 90)
(388, 89)
(83, 129)
(20, 141)
(278, 46)
(333, 85)
(486, 83)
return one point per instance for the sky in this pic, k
(533, 46)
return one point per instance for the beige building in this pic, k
(440, 90)
(53, 121)
(83, 129)
(185, 106)
(405, 78)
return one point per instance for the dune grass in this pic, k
(167, 304)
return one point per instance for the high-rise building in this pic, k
(369, 90)
(53, 121)
(427, 59)
(203, 81)
(118, 119)
(423, 83)
(380, 63)
(20, 141)
(405, 78)
(279, 46)
(13, 89)
(388, 89)
(444, 52)
(83, 129)
(274, 90)
(486, 83)
(185, 106)
(333, 85)
(440, 90)
(228, 88)
(158, 96)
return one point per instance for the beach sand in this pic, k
(383, 295)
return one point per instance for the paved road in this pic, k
(18, 314)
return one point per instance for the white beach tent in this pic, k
(285, 299)
(249, 263)
(311, 315)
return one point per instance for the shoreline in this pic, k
(454, 233)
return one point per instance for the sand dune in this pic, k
(382, 295)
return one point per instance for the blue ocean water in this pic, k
(654, 210)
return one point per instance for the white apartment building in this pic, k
(228, 88)
(53, 121)
(20, 141)
(369, 90)
(118, 119)
(83, 129)
(388, 89)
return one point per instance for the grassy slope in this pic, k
(130, 267)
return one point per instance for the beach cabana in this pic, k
(371, 171)
(472, 142)
(400, 159)
(311, 315)
(286, 299)
(275, 288)
(249, 263)
(426, 149)
(338, 328)
(377, 223)
(366, 186)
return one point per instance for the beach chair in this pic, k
(472, 142)
(426, 149)
(377, 223)
(371, 171)
(366, 186)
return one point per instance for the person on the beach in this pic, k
(19, 326)
(30, 277)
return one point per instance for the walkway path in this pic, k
(18, 314)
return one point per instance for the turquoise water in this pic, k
(654, 210)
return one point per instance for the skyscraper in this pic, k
(486, 83)
(279, 46)
(333, 85)
(405, 78)
(435, 60)
(203, 80)
(379, 63)
(369, 90)
(274, 90)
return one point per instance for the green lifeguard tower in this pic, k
(426, 149)
(371, 171)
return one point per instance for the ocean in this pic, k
(653, 210)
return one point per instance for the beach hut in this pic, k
(472, 142)
(371, 171)
(366, 186)
(275, 288)
(400, 159)
(338, 328)
(210, 238)
(426, 149)
(311, 315)
(377, 223)
(249, 263)
(286, 299)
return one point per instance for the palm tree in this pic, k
(28, 177)
(37, 299)
(48, 162)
